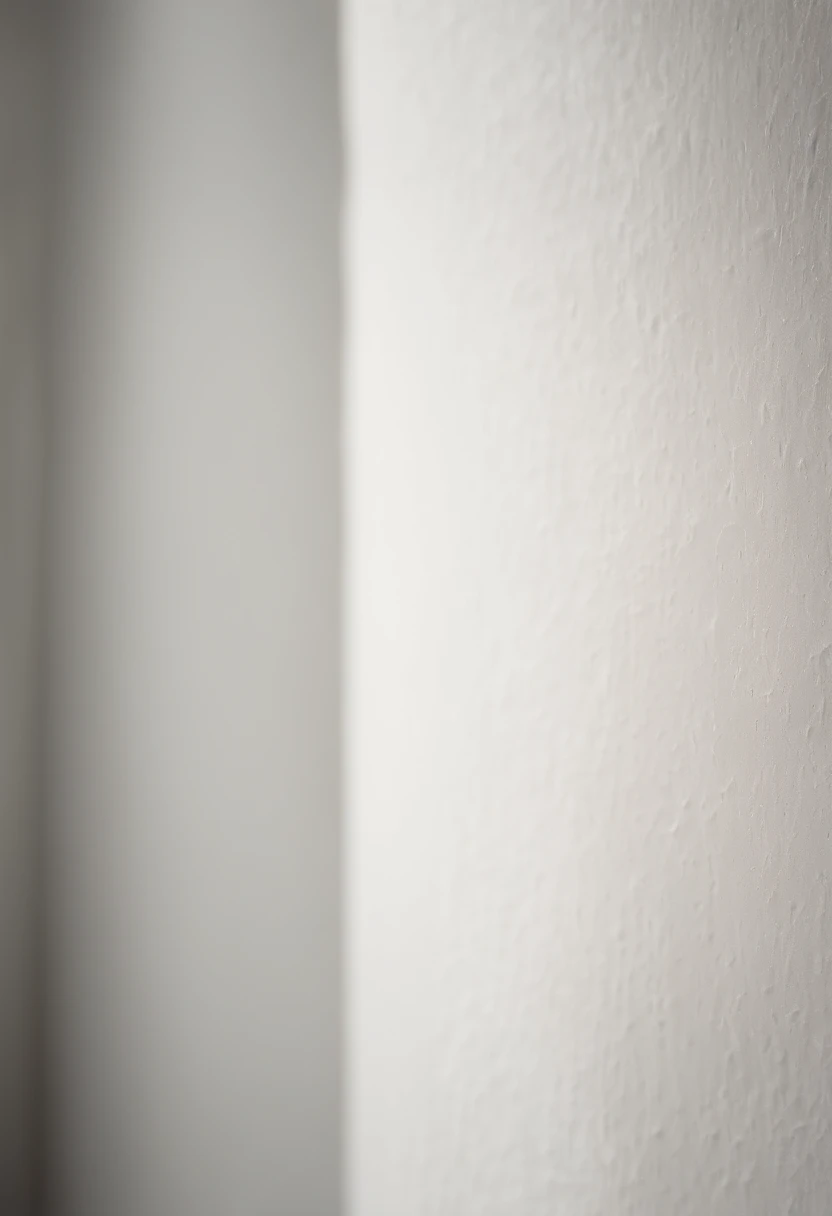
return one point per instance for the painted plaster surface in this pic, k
(589, 451)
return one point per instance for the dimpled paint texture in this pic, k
(589, 630)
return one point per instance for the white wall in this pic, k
(24, 56)
(193, 814)
(590, 639)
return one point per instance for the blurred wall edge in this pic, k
(24, 124)
(192, 845)
(590, 639)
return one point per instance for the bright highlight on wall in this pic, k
(590, 465)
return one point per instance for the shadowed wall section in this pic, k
(25, 40)
(193, 840)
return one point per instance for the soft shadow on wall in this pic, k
(186, 900)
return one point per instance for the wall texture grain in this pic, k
(590, 639)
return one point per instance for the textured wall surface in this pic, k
(24, 46)
(193, 833)
(590, 636)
